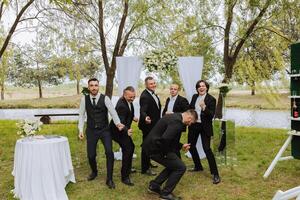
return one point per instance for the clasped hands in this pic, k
(202, 105)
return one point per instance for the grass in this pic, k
(64, 96)
(255, 149)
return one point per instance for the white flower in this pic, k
(28, 127)
(162, 59)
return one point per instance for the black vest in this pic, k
(97, 117)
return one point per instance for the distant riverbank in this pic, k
(235, 99)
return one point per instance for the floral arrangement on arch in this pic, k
(162, 59)
(28, 127)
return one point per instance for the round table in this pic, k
(42, 168)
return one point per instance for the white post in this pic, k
(277, 158)
(289, 194)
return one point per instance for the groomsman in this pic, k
(150, 113)
(205, 106)
(175, 103)
(161, 145)
(125, 112)
(96, 106)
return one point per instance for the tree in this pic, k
(32, 65)
(241, 20)
(5, 64)
(113, 26)
(261, 59)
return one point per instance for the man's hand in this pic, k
(120, 126)
(129, 132)
(186, 147)
(81, 136)
(135, 119)
(148, 120)
(202, 105)
(168, 112)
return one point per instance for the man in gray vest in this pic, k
(96, 106)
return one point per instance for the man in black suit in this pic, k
(150, 113)
(205, 106)
(161, 145)
(125, 112)
(175, 103)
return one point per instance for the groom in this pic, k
(96, 106)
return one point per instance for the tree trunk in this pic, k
(2, 91)
(253, 89)
(40, 88)
(219, 108)
(77, 86)
(109, 82)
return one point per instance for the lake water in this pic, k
(242, 117)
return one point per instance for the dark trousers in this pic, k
(92, 136)
(145, 159)
(174, 170)
(194, 132)
(127, 146)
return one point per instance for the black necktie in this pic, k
(94, 101)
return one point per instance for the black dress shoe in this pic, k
(132, 170)
(153, 166)
(127, 181)
(110, 184)
(169, 197)
(154, 190)
(149, 172)
(216, 179)
(92, 176)
(196, 169)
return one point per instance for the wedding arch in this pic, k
(189, 68)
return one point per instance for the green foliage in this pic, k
(85, 91)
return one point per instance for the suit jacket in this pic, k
(207, 115)
(165, 135)
(148, 107)
(125, 115)
(181, 104)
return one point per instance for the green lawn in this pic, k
(255, 149)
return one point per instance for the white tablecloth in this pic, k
(42, 169)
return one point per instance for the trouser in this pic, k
(127, 146)
(174, 170)
(193, 135)
(93, 135)
(145, 159)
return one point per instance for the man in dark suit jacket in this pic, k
(150, 113)
(176, 103)
(125, 112)
(205, 106)
(161, 145)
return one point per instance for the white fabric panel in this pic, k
(128, 72)
(190, 71)
(42, 169)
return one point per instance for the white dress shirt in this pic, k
(113, 113)
(171, 103)
(197, 106)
